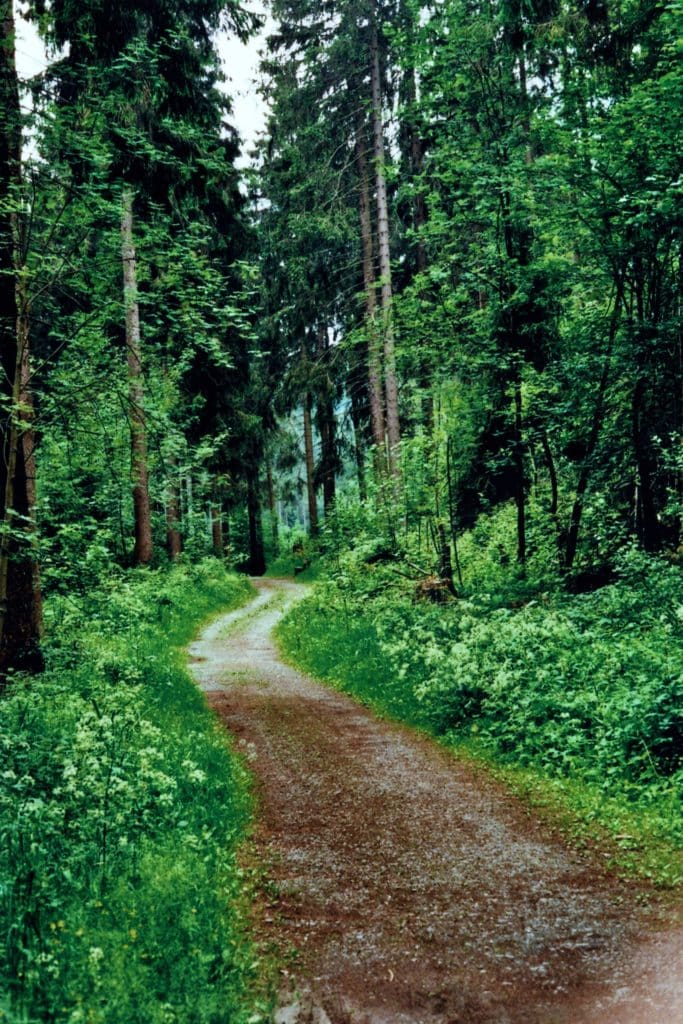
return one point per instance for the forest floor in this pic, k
(405, 887)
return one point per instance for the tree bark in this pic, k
(327, 447)
(357, 420)
(326, 425)
(593, 438)
(520, 479)
(257, 559)
(445, 561)
(310, 468)
(272, 506)
(189, 505)
(451, 506)
(369, 285)
(142, 552)
(420, 217)
(174, 539)
(217, 528)
(647, 523)
(415, 154)
(390, 384)
(554, 490)
(678, 391)
(20, 604)
(28, 443)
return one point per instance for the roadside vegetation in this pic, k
(433, 335)
(578, 697)
(121, 806)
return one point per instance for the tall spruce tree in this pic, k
(20, 600)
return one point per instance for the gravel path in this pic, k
(414, 889)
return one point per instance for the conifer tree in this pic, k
(20, 599)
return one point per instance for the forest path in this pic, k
(415, 889)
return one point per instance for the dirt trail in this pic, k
(415, 889)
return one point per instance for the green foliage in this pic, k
(298, 555)
(120, 810)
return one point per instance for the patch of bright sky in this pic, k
(240, 65)
(31, 56)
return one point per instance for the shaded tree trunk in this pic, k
(357, 419)
(445, 562)
(647, 522)
(554, 490)
(451, 506)
(520, 478)
(326, 426)
(189, 505)
(369, 284)
(174, 539)
(142, 552)
(272, 506)
(256, 565)
(28, 443)
(217, 528)
(216, 518)
(414, 148)
(20, 604)
(310, 467)
(416, 155)
(390, 383)
(597, 421)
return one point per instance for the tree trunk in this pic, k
(217, 528)
(647, 523)
(257, 560)
(445, 562)
(310, 468)
(357, 420)
(272, 506)
(678, 392)
(142, 552)
(451, 505)
(174, 539)
(390, 385)
(20, 605)
(520, 480)
(326, 425)
(189, 505)
(28, 443)
(415, 154)
(327, 448)
(369, 283)
(554, 490)
(593, 438)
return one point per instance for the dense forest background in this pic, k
(450, 287)
(430, 340)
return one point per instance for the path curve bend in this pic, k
(413, 888)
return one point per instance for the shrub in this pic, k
(121, 806)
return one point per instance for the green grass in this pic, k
(121, 810)
(298, 557)
(290, 567)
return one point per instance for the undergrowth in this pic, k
(120, 809)
(584, 690)
(298, 556)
